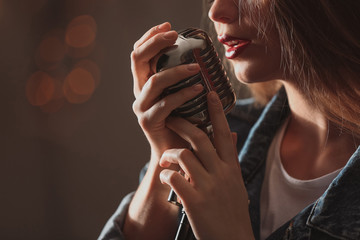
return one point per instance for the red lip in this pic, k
(236, 45)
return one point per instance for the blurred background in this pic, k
(70, 146)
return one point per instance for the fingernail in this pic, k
(193, 67)
(213, 97)
(197, 87)
(162, 26)
(162, 176)
(170, 35)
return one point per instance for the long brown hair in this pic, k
(320, 42)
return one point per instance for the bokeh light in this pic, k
(65, 72)
(51, 50)
(78, 53)
(81, 81)
(79, 85)
(81, 32)
(40, 88)
(92, 68)
(57, 101)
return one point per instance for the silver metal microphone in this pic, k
(194, 46)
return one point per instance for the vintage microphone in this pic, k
(195, 46)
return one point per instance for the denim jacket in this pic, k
(335, 215)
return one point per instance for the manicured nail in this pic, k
(170, 35)
(213, 97)
(193, 67)
(198, 87)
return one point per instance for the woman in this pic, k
(299, 169)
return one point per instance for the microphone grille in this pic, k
(194, 46)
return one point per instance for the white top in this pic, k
(283, 196)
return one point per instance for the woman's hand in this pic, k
(213, 193)
(149, 108)
(150, 216)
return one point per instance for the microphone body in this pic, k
(194, 46)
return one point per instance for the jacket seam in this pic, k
(254, 172)
(313, 226)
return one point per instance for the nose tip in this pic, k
(216, 18)
(223, 11)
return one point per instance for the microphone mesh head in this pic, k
(195, 46)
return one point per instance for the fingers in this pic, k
(141, 57)
(162, 109)
(158, 82)
(198, 139)
(223, 140)
(154, 45)
(202, 146)
(164, 27)
(178, 183)
(147, 47)
(187, 162)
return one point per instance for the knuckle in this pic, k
(144, 121)
(153, 82)
(163, 104)
(154, 29)
(136, 44)
(135, 107)
(138, 107)
(184, 154)
(134, 55)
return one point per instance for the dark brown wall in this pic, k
(63, 173)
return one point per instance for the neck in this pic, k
(308, 118)
(312, 146)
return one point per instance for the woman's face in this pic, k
(255, 58)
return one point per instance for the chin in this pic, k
(251, 73)
(246, 75)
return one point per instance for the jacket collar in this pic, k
(253, 154)
(337, 211)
